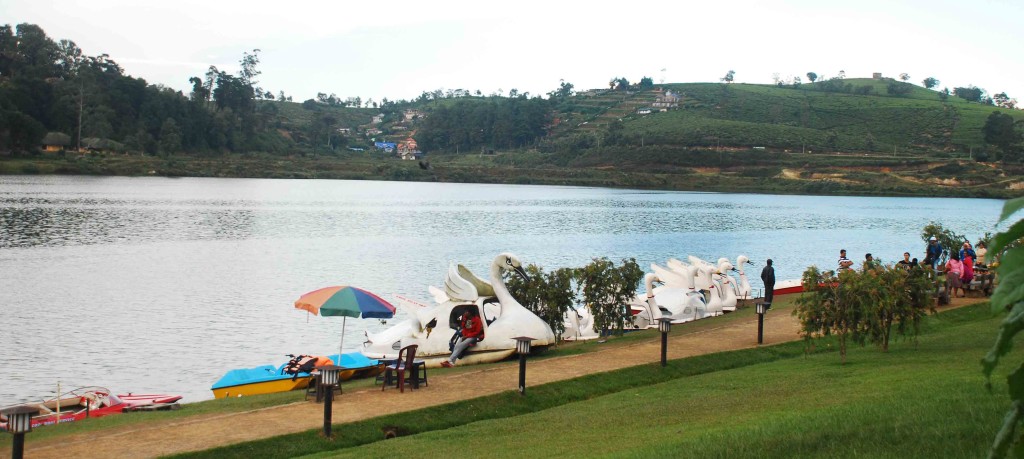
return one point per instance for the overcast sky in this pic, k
(398, 49)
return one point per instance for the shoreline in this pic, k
(464, 170)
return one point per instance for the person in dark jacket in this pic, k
(768, 277)
(933, 252)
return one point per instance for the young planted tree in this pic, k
(607, 289)
(548, 295)
(891, 296)
(863, 306)
(1007, 248)
(826, 308)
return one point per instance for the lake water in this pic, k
(162, 285)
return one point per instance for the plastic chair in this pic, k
(405, 361)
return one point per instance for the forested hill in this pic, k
(52, 93)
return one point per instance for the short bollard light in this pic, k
(664, 326)
(328, 378)
(19, 423)
(523, 349)
(762, 308)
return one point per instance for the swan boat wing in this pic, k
(458, 288)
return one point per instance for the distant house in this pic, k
(377, 119)
(408, 149)
(667, 100)
(345, 130)
(876, 75)
(412, 114)
(55, 142)
(643, 111)
(374, 131)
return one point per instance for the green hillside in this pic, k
(786, 118)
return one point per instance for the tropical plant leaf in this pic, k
(1011, 207)
(1016, 383)
(1012, 325)
(1005, 436)
(1005, 239)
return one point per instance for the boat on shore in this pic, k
(295, 374)
(788, 286)
(93, 402)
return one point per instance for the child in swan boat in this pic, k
(472, 331)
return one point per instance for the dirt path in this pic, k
(204, 432)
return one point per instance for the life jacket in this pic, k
(304, 364)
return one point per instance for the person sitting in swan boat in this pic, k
(471, 330)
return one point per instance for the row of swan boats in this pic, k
(682, 291)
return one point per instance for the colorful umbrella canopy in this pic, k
(345, 301)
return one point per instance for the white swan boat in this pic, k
(677, 299)
(579, 325)
(432, 327)
(743, 290)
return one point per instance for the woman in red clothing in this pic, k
(472, 332)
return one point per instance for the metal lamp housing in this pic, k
(19, 418)
(329, 374)
(761, 308)
(664, 325)
(523, 344)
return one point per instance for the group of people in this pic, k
(869, 261)
(959, 268)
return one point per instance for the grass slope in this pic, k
(923, 400)
(747, 115)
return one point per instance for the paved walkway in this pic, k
(208, 431)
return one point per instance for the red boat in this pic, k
(788, 286)
(94, 402)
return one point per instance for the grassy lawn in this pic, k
(926, 400)
(918, 400)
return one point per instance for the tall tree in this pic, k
(971, 93)
(729, 76)
(930, 82)
(812, 76)
(170, 137)
(1004, 101)
(1001, 131)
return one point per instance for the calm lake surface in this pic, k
(162, 285)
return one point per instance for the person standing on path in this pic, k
(844, 263)
(933, 252)
(905, 263)
(768, 277)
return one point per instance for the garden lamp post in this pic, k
(328, 378)
(523, 349)
(664, 326)
(761, 309)
(19, 423)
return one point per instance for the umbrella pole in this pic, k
(341, 346)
